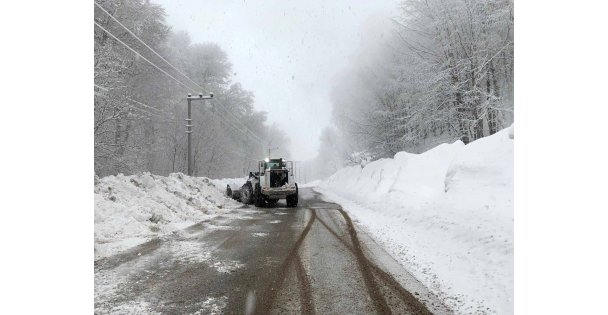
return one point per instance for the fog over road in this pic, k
(311, 260)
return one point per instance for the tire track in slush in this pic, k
(265, 306)
(366, 267)
(372, 287)
(408, 298)
(306, 301)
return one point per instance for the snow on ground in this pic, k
(235, 183)
(130, 210)
(445, 214)
(313, 183)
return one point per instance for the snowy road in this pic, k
(311, 259)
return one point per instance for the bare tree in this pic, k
(140, 94)
(445, 73)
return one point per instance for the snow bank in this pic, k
(130, 210)
(313, 183)
(445, 214)
(235, 183)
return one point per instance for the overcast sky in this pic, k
(286, 52)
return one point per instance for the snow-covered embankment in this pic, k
(130, 210)
(445, 214)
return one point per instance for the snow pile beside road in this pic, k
(313, 183)
(235, 183)
(130, 210)
(445, 214)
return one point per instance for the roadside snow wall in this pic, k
(235, 183)
(130, 210)
(445, 214)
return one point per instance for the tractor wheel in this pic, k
(247, 194)
(258, 198)
(236, 195)
(292, 200)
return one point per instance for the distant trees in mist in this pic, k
(444, 73)
(139, 111)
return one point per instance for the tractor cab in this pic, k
(273, 180)
(276, 173)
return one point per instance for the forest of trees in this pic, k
(444, 73)
(140, 99)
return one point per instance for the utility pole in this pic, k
(189, 124)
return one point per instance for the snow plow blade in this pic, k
(234, 194)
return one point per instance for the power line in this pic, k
(184, 75)
(156, 114)
(134, 101)
(145, 111)
(130, 107)
(147, 106)
(236, 127)
(141, 41)
(159, 116)
(256, 137)
(138, 54)
(151, 107)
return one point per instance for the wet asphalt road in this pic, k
(310, 260)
